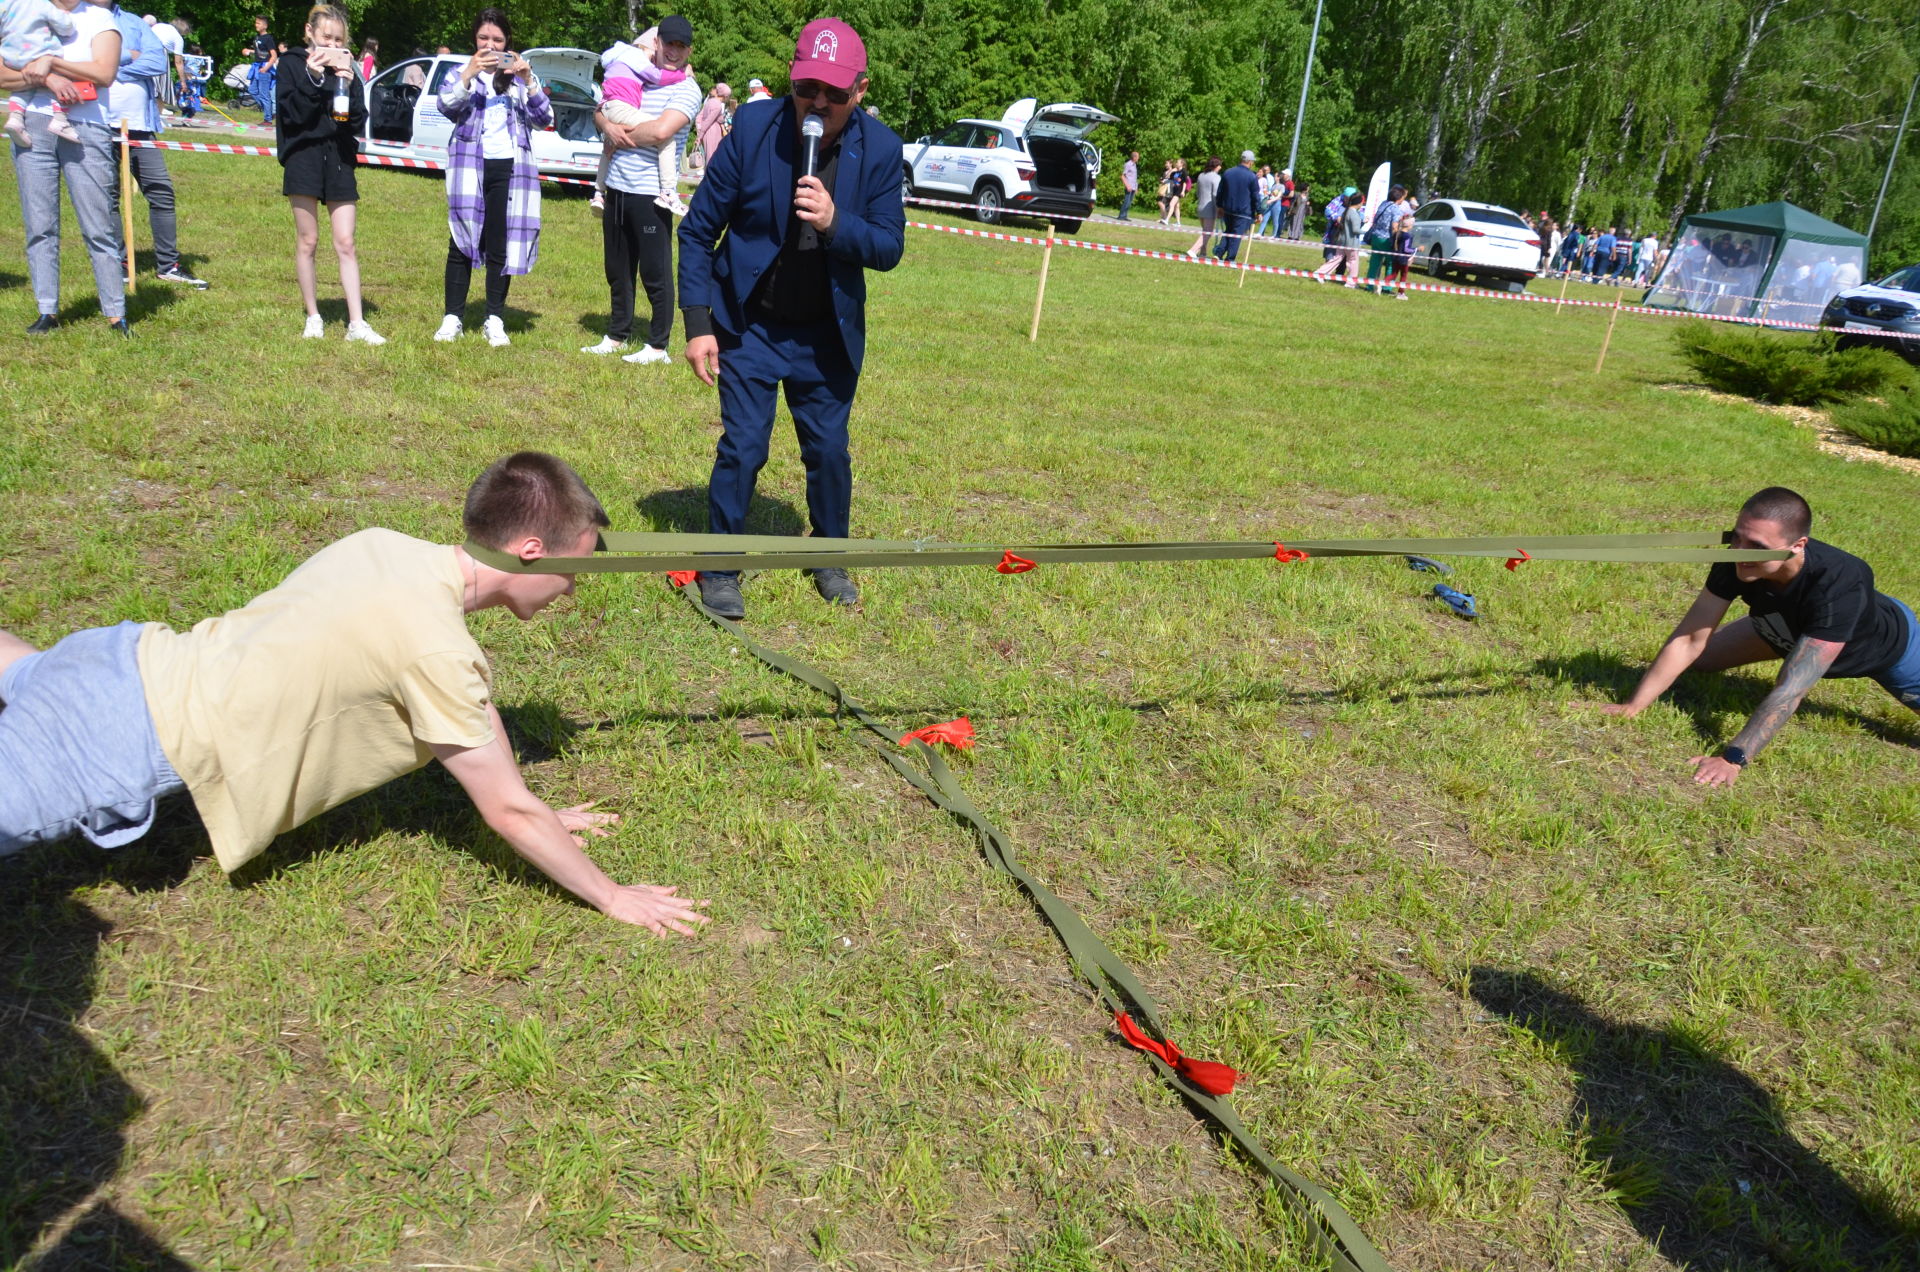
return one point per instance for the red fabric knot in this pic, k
(680, 578)
(1514, 563)
(1209, 1075)
(1011, 564)
(1285, 555)
(957, 734)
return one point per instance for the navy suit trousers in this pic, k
(811, 362)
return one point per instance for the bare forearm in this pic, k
(1679, 653)
(1809, 661)
(537, 835)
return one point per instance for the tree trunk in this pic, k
(1579, 181)
(1429, 170)
(1477, 118)
(1736, 78)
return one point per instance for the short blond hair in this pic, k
(330, 13)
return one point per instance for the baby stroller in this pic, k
(193, 93)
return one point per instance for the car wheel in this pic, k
(991, 208)
(906, 184)
(1067, 227)
(1516, 285)
(1436, 263)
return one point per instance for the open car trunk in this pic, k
(1059, 165)
(568, 76)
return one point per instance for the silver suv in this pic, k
(1032, 161)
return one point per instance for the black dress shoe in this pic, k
(721, 594)
(43, 324)
(121, 327)
(835, 587)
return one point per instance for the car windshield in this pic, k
(1494, 216)
(1907, 279)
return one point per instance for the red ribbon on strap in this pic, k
(1011, 564)
(1209, 1075)
(957, 734)
(680, 578)
(1286, 555)
(1514, 563)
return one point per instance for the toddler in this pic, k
(1402, 256)
(39, 30)
(629, 73)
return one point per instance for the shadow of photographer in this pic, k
(1694, 1151)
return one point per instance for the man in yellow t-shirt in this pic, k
(355, 670)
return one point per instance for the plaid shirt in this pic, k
(466, 169)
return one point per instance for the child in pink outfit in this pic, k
(630, 72)
(35, 29)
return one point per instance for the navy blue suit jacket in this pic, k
(738, 219)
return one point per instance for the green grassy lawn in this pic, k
(1498, 974)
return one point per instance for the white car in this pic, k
(404, 119)
(1033, 161)
(1481, 239)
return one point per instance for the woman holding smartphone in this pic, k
(76, 77)
(493, 187)
(321, 105)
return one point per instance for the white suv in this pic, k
(1033, 161)
(1482, 239)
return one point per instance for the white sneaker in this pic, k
(17, 129)
(495, 332)
(672, 202)
(450, 329)
(606, 346)
(648, 354)
(359, 331)
(316, 328)
(598, 203)
(62, 129)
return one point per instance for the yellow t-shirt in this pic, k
(329, 685)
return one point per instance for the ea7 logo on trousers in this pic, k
(827, 45)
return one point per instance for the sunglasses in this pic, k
(813, 90)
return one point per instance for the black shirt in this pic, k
(304, 117)
(795, 290)
(1832, 598)
(264, 47)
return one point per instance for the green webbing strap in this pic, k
(659, 553)
(1335, 1233)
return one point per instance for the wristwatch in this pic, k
(1735, 755)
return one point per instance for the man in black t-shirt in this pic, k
(1817, 609)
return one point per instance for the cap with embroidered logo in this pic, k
(830, 51)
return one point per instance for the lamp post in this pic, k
(1300, 115)
(1890, 158)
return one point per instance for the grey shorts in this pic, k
(78, 754)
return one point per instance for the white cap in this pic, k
(754, 83)
(1246, 156)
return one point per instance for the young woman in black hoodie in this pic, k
(317, 149)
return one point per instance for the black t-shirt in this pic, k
(264, 47)
(1832, 598)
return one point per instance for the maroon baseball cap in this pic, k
(829, 51)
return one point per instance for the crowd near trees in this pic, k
(1632, 112)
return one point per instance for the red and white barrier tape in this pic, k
(383, 161)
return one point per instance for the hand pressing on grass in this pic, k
(1714, 770)
(583, 824)
(1625, 710)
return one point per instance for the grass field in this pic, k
(1499, 976)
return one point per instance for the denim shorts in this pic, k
(1902, 680)
(78, 753)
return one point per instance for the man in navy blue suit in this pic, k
(781, 298)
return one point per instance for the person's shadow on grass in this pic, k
(1708, 697)
(685, 511)
(62, 1103)
(1694, 1151)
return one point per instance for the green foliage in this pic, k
(1890, 422)
(1788, 370)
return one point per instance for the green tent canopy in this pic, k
(1771, 261)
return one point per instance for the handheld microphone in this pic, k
(812, 130)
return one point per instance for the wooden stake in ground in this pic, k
(1040, 298)
(1246, 258)
(126, 199)
(1564, 280)
(1609, 340)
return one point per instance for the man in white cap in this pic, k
(1239, 203)
(799, 203)
(758, 92)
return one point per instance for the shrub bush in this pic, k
(1890, 423)
(1790, 370)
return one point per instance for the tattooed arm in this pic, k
(1808, 662)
